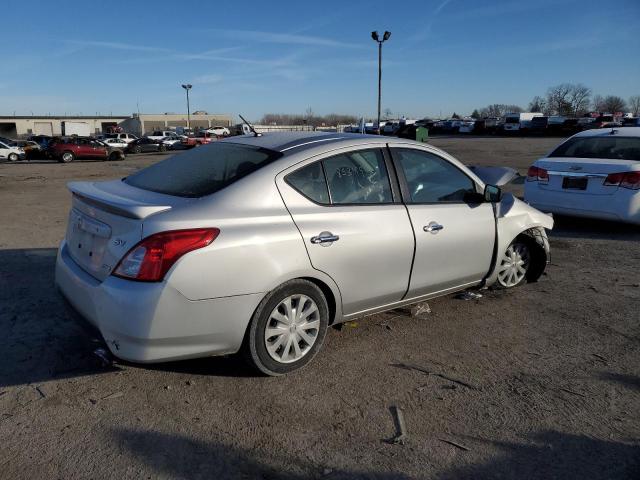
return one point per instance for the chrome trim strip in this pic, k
(577, 174)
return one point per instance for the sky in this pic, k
(252, 58)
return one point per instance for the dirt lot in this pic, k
(549, 374)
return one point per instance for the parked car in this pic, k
(258, 244)
(67, 149)
(219, 131)
(631, 122)
(125, 137)
(201, 138)
(31, 148)
(10, 151)
(172, 140)
(467, 126)
(42, 140)
(115, 142)
(160, 134)
(146, 144)
(595, 173)
(539, 125)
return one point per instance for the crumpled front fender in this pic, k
(513, 217)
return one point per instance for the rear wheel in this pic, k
(13, 157)
(115, 156)
(67, 157)
(287, 328)
(514, 265)
(162, 148)
(137, 149)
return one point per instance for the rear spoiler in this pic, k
(88, 193)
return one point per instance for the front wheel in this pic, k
(514, 265)
(67, 157)
(287, 329)
(137, 149)
(162, 148)
(13, 157)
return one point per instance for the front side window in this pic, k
(432, 179)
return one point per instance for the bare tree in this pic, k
(537, 104)
(634, 105)
(388, 113)
(613, 104)
(558, 99)
(578, 98)
(598, 103)
(308, 113)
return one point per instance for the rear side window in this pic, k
(352, 178)
(310, 182)
(610, 147)
(202, 171)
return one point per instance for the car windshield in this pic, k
(611, 147)
(202, 171)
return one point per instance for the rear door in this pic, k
(353, 224)
(454, 238)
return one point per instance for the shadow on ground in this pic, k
(41, 340)
(575, 227)
(555, 455)
(177, 456)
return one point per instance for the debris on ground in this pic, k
(39, 390)
(468, 295)
(112, 395)
(600, 357)
(401, 431)
(418, 368)
(327, 471)
(455, 444)
(190, 383)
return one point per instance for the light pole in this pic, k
(376, 38)
(187, 87)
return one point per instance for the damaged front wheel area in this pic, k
(524, 260)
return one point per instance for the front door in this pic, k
(353, 224)
(455, 234)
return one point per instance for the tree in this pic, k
(537, 104)
(558, 99)
(613, 104)
(579, 97)
(475, 114)
(455, 115)
(598, 103)
(634, 105)
(388, 113)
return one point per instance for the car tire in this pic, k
(67, 157)
(13, 157)
(116, 156)
(514, 266)
(137, 149)
(297, 339)
(162, 148)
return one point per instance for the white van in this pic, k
(513, 121)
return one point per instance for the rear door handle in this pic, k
(433, 227)
(325, 238)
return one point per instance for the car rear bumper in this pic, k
(621, 206)
(153, 322)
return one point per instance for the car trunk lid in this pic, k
(106, 220)
(583, 175)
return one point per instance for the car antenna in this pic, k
(255, 134)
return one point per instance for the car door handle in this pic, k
(433, 227)
(325, 238)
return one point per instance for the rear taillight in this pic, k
(629, 180)
(152, 258)
(537, 174)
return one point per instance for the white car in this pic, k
(219, 131)
(595, 173)
(126, 137)
(115, 142)
(9, 152)
(172, 140)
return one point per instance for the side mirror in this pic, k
(492, 194)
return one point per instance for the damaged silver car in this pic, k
(256, 244)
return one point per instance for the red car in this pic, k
(199, 139)
(68, 149)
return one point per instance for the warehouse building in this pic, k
(138, 124)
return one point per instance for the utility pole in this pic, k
(187, 87)
(376, 38)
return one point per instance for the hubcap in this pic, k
(514, 265)
(67, 157)
(292, 328)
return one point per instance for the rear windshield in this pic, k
(614, 148)
(202, 171)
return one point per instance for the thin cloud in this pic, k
(117, 46)
(283, 38)
(426, 31)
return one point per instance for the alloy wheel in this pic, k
(514, 265)
(292, 328)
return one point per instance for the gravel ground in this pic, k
(540, 382)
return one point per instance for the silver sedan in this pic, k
(257, 244)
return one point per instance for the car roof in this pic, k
(611, 131)
(299, 141)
